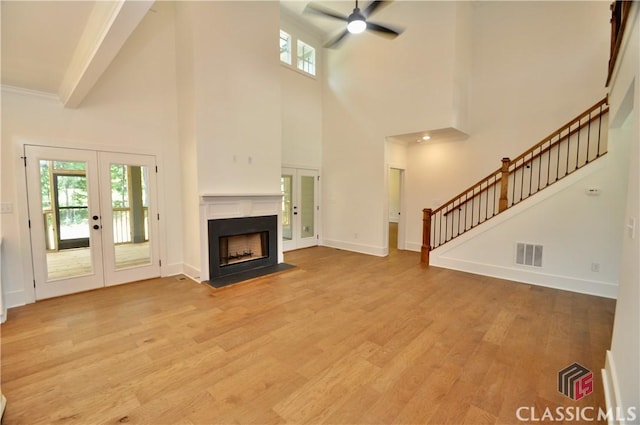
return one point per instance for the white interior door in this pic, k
(299, 208)
(93, 219)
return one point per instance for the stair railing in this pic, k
(572, 146)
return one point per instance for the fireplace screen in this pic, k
(240, 248)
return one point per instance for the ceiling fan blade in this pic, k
(383, 31)
(322, 11)
(337, 40)
(373, 7)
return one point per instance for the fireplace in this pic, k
(240, 248)
(238, 245)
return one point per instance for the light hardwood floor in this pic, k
(344, 339)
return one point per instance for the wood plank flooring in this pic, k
(342, 339)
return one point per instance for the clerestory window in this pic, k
(305, 54)
(285, 47)
(306, 58)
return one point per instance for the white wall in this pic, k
(507, 72)
(622, 373)
(131, 109)
(301, 104)
(534, 66)
(377, 88)
(575, 230)
(186, 89)
(230, 117)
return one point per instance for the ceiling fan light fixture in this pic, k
(357, 23)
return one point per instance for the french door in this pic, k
(93, 219)
(299, 208)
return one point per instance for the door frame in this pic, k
(297, 242)
(403, 216)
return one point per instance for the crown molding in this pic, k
(29, 92)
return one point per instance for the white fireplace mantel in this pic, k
(214, 206)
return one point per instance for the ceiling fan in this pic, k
(356, 21)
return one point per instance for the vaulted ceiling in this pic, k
(62, 47)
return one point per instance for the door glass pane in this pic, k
(72, 209)
(65, 213)
(287, 214)
(130, 212)
(307, 206)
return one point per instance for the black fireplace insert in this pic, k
(238, 245)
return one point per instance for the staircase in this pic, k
(571, 147)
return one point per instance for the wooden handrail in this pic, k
(509, 167)
(482, 190)
(587, 113)
(557, 142)
(519, 157)
(619, 17)
(443, 206)
(501, 171)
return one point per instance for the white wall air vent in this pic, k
(528, 254)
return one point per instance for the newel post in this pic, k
(426, 236)
(504, 185)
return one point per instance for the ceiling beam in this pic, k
(108, 28)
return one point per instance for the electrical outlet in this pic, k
(595, 267)
(632, 227)
(6, 208)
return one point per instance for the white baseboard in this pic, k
(3, 315)
(355, 247)
(412, 246)
(612, 390)
(608, 385)
(13, 299)
(172, 269)
(566, 283)
(191, 272)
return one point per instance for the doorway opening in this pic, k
(395, 199)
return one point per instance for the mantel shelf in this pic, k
(207, 196)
